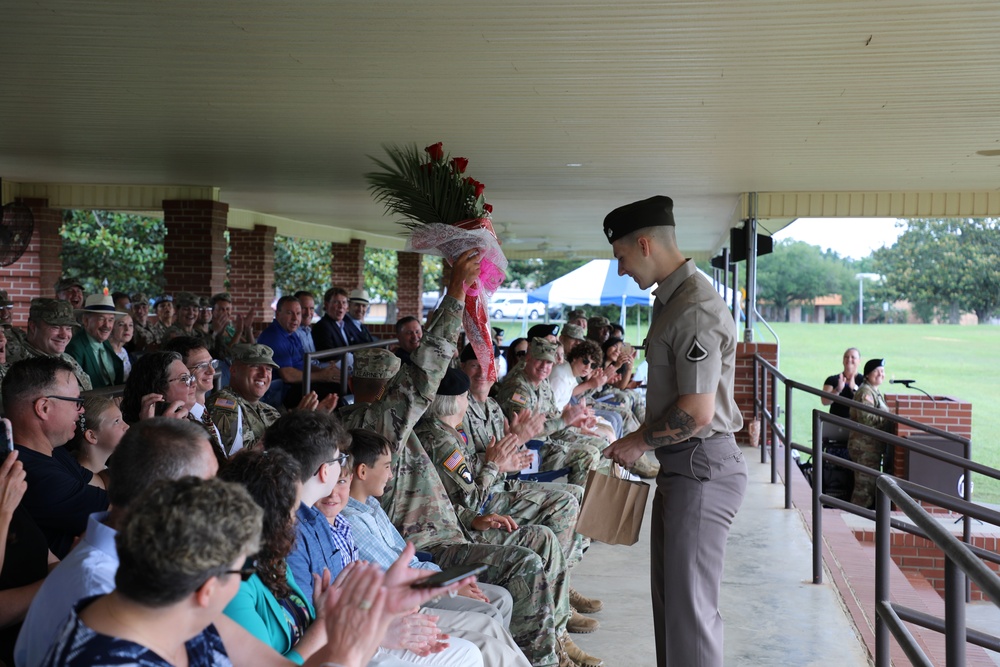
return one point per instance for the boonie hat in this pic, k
(375, 363)
(359, 295)
(99, 304)
(54, 312)
(254, 354)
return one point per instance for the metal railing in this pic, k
(766, 375)
(960, 561)
(336, 353)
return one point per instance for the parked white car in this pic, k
(514, 306)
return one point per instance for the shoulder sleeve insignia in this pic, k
(696, 352)
(519, 399)
(455, 459)
(223, 402)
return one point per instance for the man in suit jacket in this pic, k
(90, 346)
(330, 332)
(354, 323)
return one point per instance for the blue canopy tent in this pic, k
(595, 283)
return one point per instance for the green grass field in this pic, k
(958, 361)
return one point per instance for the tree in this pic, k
(124, 249)
(797, 271)
(944, 267)
(301, 264)
(530, 274)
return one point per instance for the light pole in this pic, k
(861, 277)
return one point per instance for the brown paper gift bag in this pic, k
(612, 509)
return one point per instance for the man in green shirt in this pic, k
(90, 346)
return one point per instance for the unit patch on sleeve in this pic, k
(456, 463)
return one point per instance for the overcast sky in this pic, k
(849, 237)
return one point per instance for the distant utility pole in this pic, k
(861, 277)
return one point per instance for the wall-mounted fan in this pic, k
(15, 232)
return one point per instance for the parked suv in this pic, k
(515, 306)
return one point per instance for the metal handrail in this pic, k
(764, 370)
(334, 353)
(960, 562)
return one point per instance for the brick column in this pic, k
(943, 412)
(36, 272)
(195, 246)
(409, 285)
(743, 390)
(251, 270)
(347, 264)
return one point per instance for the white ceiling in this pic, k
(277, 104)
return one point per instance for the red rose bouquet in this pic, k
(446, 214)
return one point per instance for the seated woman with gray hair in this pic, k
(184, 548)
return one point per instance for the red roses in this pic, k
(436, 151)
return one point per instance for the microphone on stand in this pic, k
(908, 383)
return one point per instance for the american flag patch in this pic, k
(518, 398)
(223, 402)
(456, 459)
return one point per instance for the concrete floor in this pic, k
(773, 614)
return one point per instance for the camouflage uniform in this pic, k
(482, 489)
(528, 562)
(865, 449)
(225, 406)
(16, 339)
(619, 404)
(563, 447)
(54, 313)
(158, 333)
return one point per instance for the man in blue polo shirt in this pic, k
(289, 354)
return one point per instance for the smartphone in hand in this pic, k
(7, 433)
(449, 576)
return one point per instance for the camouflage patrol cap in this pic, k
(542, 349)
(64, 284)
(204, 302)
(53, 312)
(576, 314)
(375, 363)
(186, 299)
(5, 301)
(139, 299)
(254, 354)
(597, 322)
(573, 331)
(221, 296)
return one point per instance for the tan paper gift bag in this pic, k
(612, 509)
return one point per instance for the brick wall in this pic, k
(251, 270)
(347, 264)
(916, 554)
(409, 285)
(36, 272)
(743, 391)
(195, 245)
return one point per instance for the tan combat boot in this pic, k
(583, 604)
(581, 625)
(579, 657)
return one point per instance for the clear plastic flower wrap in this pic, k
(450, 241)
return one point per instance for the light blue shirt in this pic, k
(376, 538)
(89, 569)
(314, 548)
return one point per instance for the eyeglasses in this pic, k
(185, 379)
(68, 399)
(248, 570)
(214, 363)
(342, 459)
(593, 364)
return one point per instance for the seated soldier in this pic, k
(530, 564)
(186, 323)
(71, 291)
(237, 410)
(527, 388)
(143, 337)
(165, 314)
(479, 491)
(90, 346)
(50, 328)
(41, 398)
(15, 337)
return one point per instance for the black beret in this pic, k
(872, 364)
(543, 330)
(653, 212)
(468, 354)
(453, 383)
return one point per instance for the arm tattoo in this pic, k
(676, 426)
